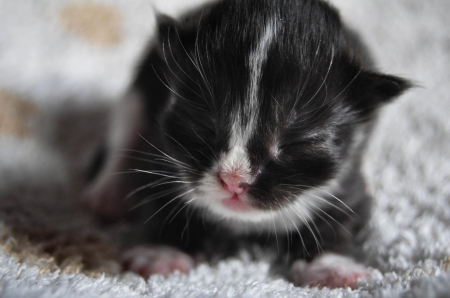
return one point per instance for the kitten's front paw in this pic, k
(150, 260)
(329, 270)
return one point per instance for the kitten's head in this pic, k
(267, 99)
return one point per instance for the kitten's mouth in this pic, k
(236, 204)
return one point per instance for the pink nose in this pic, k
(233, 183)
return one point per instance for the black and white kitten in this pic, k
(257, 113)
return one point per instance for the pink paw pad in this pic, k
(329, 270)
(150, 260)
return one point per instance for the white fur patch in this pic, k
(240, 131)
(256, 61)
(236, 161)
(290, 218)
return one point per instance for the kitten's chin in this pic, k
(221, 205)
(236, 204)
(235, 209)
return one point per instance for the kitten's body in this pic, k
(258, 112)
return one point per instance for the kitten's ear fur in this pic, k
(190, 22)
(166, 26)
(372, 90)
(172, 38)
(154, 54)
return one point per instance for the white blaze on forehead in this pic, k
(240, 131)
(257, 59)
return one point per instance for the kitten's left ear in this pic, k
(372, 90)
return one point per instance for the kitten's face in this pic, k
(264, 109)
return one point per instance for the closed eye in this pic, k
(298, 143)
(303, 142)
(305, 139)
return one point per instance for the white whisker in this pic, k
(275, 230)
(330, 217)
(180, 195)
(324, 80)
(155, 196)
(178, 212)
(299, 187)
(166, 155)
(173, 90)
(178, 65)
(155, 173)
(168, 66)
(319, 247)
(295, 226)
(184, 148)
(144, 187)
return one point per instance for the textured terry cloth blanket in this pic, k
(65, 64)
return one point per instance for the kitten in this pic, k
(257, 113)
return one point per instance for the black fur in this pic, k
(317, 93)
